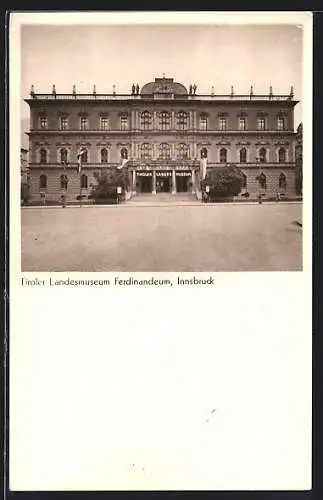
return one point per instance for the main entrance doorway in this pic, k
(163, 185)
(144, 182)
(163, 182)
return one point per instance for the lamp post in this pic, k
(259, 174)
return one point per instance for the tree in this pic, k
(107, 183)
(223, 182)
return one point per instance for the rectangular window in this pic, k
(223, 124)
(280, 123)
(63, 123)
(261, 124)
(84, 123)
(104, 123)
(43, 122)
(124, 123)
(203, 123)
(242, 124)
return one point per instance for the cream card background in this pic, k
(138, 388)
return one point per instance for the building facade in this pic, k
(299, 160)
(24, 170)
(163, 129)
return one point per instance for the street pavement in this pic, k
(170, 234)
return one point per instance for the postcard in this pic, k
(160, 250)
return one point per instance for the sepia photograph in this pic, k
(164, 148)
(160, 251)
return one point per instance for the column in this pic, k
(173, 120)
(191, 150)
(195, 150)
(134, 181)
(137, 121)
(193, 181)
(154, 183)
(194, 119)
(133, 119)
(154, 120)
(173, 151)
(173, 181)
(154, 151)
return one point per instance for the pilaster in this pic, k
(134, 181)
(154, 182)
(173, 181)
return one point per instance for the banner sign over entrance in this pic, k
(183, 174)
(164, 174)
(144, 174)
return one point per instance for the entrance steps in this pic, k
(164, 199)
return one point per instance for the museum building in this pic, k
(164, 130)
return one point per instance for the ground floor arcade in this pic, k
(150, 178)
(163, 181)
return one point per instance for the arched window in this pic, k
(104, 155)
(182, 151)
(182, 120)
(282, 182)
(223, 155)
(244, 181)
(43, 156)
(83, 181)
(63, 181)
(43, 182)
(145, 120)
(146, 151)
(262, 181)
(124, 153)
(243, 155)
(164, 120)
(262, 155)
(164, 151)
(203, 153)
(282, 155)
(63, 155)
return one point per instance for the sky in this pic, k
(107, 55)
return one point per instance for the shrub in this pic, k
(223, 182)
(108, 182)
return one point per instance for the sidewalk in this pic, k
(152, 203)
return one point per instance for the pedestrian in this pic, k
(43, 197)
